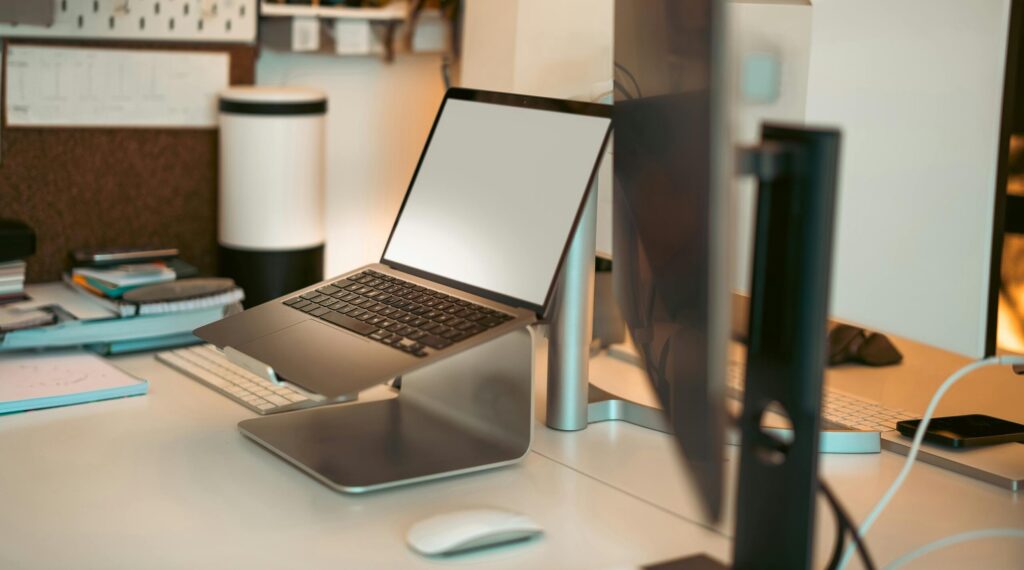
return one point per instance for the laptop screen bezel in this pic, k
(511, 100)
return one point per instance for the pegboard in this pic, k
(149, 20)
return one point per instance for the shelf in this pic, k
(393, 12)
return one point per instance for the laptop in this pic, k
(473, 254)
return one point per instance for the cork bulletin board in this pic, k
(115, 187)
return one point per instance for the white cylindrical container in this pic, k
(271, 207)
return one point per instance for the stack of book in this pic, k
(114, 282)
(12, 281)
(116, 309)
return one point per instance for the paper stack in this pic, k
(12, 281)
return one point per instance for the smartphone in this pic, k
(966, 431)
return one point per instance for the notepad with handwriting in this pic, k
(29, 382)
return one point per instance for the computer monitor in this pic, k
(671, 235)
(670, 204)
(919, 228)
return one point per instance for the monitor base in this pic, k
(604, 406)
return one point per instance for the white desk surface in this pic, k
(166, 481)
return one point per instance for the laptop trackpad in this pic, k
(325, 360)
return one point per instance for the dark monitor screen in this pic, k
(670, 216)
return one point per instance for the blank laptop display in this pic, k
(495, 197)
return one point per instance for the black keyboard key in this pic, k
(310, 295)
(396, 327)
(320, 311)
(388, 312)
(357, 313)
(443, 318)
(435, 342)
(366, 316)
(489, 322)
(417, 335)
(455, 322)
(302, 303)
(450, 335)
(465, 325)
(464, 313)
(472, 330)
(349, 323)
(376, 321)
(328, 289)
(293, 301)
(378, 307)
(406, 330)
(310, 308)
(349, 296)
(333, 306)
(379, 334)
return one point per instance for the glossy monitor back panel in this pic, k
(672, 172)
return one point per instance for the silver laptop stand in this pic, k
(469, 412)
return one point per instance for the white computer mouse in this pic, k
(459, 531)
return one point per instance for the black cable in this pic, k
(840, 543)
(844, 520)
(636, 84)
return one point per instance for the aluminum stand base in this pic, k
(470, 412)
(604, 406)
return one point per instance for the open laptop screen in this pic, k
(496, 195)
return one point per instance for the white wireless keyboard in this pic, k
(839, 410)
(208, 365)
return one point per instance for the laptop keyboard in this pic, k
(404, 315)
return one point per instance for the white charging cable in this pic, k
(956, 539)
(916, 446)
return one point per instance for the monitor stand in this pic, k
(572, 401)
(469, 412)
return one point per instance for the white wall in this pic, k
(379, 115)
(783, 31)
(916, 86)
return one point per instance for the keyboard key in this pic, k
(302, 303)
(328, 289)
(349, 323)
(320, 312)
(488, 322)
(310, 308)
(310, 295)
(292, 301)
(435, 342)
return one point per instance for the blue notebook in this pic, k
(47, 380)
